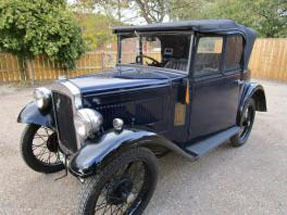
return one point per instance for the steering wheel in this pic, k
(153, 63)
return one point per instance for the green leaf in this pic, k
(35, 27)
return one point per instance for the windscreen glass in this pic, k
(170, 51)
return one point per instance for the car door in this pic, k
(215, 86)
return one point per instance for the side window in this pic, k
(208, 56)
(233, 52)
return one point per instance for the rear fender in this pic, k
(87, 160)
(255, 91)
(31, 114)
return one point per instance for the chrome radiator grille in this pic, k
(63, 108)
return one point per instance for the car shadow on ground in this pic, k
(175, 178)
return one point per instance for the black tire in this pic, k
(107, 178)
(246, 125)
(28, 148)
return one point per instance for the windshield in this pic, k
(168, 50)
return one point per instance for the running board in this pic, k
(210, 143)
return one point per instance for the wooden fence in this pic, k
(268, 61)
(45, 69)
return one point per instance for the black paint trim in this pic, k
(30, 114)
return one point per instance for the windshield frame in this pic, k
(142, 34)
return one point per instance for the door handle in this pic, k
(239, 82)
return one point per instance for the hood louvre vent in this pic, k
(109, 112)
(144, 112)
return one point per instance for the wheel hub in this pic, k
(52, 143)
(119, 191)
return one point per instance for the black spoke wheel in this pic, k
(39, 148)
(125, 185)
(246, 123)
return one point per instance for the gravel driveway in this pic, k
(247, 180)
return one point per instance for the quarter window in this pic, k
(234, 48)
(208, 56)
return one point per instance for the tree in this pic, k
(114, 9)
(188, 9)
(96, 29)
(29, 28)
(153, 11)
(150, 10)
(267, 17)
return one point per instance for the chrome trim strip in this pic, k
(76, 93)
(190, 53)
(77, 102)
(68, 88)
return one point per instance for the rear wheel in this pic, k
(39, 148)
(124, 186)
(246, 124)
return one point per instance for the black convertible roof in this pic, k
(216, 26)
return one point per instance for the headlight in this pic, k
(87, 122)
(42, 97)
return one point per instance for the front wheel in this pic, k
(125, 185)
(246, 123)
(39, 149)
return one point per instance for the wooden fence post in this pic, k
(22, 68)
(30, 70)
(103, 60)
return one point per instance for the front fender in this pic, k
(85, 162)
(30, 114)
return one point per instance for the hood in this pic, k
(128, 79)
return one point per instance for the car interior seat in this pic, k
(178, 64)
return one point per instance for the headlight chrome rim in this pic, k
(42, 97)
(87, 122)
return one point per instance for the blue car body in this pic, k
(161, 109)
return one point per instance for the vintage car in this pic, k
(183, 87)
